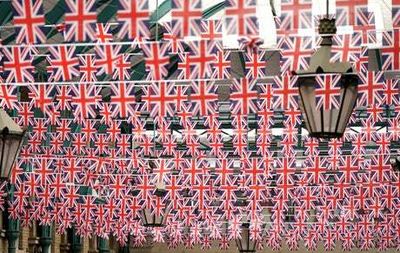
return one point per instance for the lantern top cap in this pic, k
(320, 62)
(246, 224)
(7, 122)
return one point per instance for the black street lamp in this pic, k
(245, 244)
(11, 139)
(327, 123)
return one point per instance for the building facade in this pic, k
(30, 240)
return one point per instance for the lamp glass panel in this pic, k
(9, 153)
(330, 119)
(147, 217)
(158, 219)
(349, 99)
(308, 103)
(245, 239)
(245, 244)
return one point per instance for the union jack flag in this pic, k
(391, 50)
(199, 63)
(63, 98)
(347, 48)
(347, 10)
(87, 67)
(244, 96)
(156, 59)
(186, 18)
(348, 168)
(296, 14)
(222, 65)
(396, 13)
(160, 99)
(285, 94)
(122, 68)
(212, 29)
(255, 64)
(124, 100)
(266, 97)
(381, 170)
(29, 21)
(391, 92)
(327, 92)
(134, 17)
(365, 24)
(84, 100)
(8, 96)
(107, 57)
(371, 89)
(104, 33)
(285, 169)
(177, 44)
(240, 17)
(80, 20)
(296, 52)
(63, 63)
(17, 64)
(43, 97)
(202, 97)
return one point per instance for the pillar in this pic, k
(45, 238)
(124, 249)
(12, 235)
(103, 245)
(76, 242)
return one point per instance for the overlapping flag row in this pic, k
(121, 97)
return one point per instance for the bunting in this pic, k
(120, 100)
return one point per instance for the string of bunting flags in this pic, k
(121, 98)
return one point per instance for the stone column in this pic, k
(93, 245)
(103, 245)
(65, 245)
(55, 244)
(12, 235)
(45, 238)
(24, 237)
(76, 244)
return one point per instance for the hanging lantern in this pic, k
(155, 216)
(327, 122)
(245, 244)
(11, 136)
(395, 162)
(241, 198)
(152, 219)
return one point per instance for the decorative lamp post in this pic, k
(11, 139)
(327, 123)
(245, 244)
